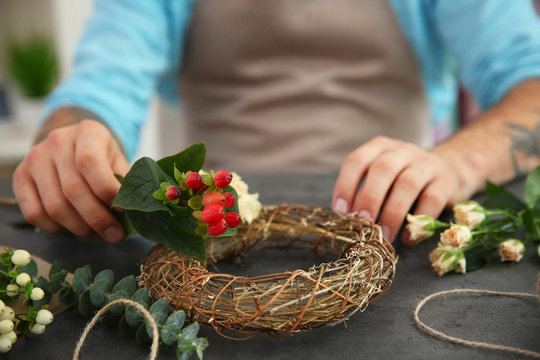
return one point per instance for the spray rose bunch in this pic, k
(477, 231)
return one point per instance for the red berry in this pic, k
(217, 228)
(233, 219)
(222, 179)
(173, 192)
(213, 197)
(194, 181)
(229, 199)
(212, 214)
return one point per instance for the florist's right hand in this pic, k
(67, 181)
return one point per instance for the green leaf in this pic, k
(477, 258)
(56, 267)
(118, 309)
(184, 350)
(85, 304)
(170, 332)
(31, 269)
(178, 176)
(532, 188)
(141, 336)
(134, 316)
(159, 311)
(500, 198)
(124, 326)
(142, 180)
(191, 159)
(200, 344)
(5, 259)
(56, 281)
(128, 284)
(191, 331)
(187, 345)
(121, 216)
(67, 296)
(103, 283)
(529, 221)
(119, 177)
(82, 279)
(176, 232)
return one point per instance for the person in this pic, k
(291, 85)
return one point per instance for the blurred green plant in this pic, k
(32, 64)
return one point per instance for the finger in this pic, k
(406, 189)
(435, 197)
(353, 171)
(52, 197)
(29, 202)
(379, 179)
(93, 159)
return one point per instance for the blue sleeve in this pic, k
(128, 49)
(496, 43)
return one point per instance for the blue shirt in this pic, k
(131, 48)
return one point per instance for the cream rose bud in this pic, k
(44, 317)
(445, 258)
(37, 329)
(37, 294)
(249, 207)
(461, 265)
(12, 290)
(5, 343)
(420, 227)
(21, 257)
(23, 279)
(457, 236)
(469, 213)
(8, 314)
(511, 250)
(6, 326)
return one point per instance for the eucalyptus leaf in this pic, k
(82, 279)
(134, 316)
(118, 309)
(190, 159)
(191, 331)
(56, 267)
(169, 334)
(85, 305)
(128, 284)
(200, 345)
(532, 188)
(142, 180)
(56, 281)
(187, 345)
(102, 285)
(141, 335)
(175, 232)
(124, 327)
(182, 355)
(159, 311)
(67, 296)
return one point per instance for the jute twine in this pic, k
(278, 304)
(147, 315)
(475, 344)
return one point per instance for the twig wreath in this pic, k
(281, 303)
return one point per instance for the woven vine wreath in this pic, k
(281, 303)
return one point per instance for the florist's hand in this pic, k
(395, 175)
(67, 180)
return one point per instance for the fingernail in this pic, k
(386, 232)
(364, 213)
(113, 234)
(341, 205)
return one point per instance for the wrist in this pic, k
(64, 116)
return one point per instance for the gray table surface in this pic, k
(385, 330)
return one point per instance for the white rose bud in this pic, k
(420, 227)
(23, 279)
(6, 326)
(469, 213)
(461, 266)
(37, 294)
(37, 329)
(249, 207)
(44, 317)
(445, 258)
(8, 314)
(457, 236)
(12, 290)
(5, 344)
(12, 335)
(511, 250)
(21, 257)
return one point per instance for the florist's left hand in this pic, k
(395, 174)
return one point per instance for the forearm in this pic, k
(500, 144)
(64, 116)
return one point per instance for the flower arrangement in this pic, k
(479, 231)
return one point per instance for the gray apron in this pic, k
(296, 85)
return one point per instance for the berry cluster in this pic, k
(14, 264)
(206, 195)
